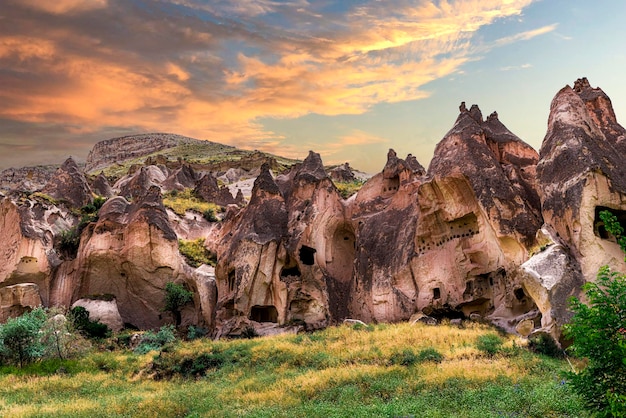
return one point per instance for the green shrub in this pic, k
(194, 333)
(209, 215)
(19, 337)
(598, 331)
(249, 332)
(176, 296)
(405, 358)
(545, 344)
(151, 341)
(490, 344)
(79, 317)
(69, 241)
(429, 354)
(612, 225)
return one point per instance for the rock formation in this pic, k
(208, 190)
(109, 151)
(491, 231)
(69, 184)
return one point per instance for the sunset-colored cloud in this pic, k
(62, 6)
(214, 69)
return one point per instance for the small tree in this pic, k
(19, 337)
(598, 331)
(176, 296)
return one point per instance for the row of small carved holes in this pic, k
(427, 247)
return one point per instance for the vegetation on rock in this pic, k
(195, 252)
(347, 189)
(182, 201)
(598, 331)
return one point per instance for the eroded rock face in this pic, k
(276, 265)
(136, 185)
(501, 170)
(101, 186)
(131, 253)
(18, 299)
(492, 231)
(208, 189)
(126, 148)
(580, 173)
(69, 184)
(182, 178)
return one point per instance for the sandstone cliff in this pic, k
(492, 230)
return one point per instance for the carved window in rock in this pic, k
(598, 225)
(264, 313)
(307, 255)
(436, 293)
(443, 232)
(231, 280)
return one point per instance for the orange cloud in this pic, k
(58, 7)
(178, 74)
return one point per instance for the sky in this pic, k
(347, 79)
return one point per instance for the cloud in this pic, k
(516, 67)
(525, 36)
(215, 69)
(62, 6)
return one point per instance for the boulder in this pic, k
(104, 311)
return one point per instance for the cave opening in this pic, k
(264, 313)
(342, 250)
(436, 293)
(447, 312)
(290, 271)
(307, 255)
(231, 280)
(519, 294)
(598, 223)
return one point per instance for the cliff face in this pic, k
(110, 151)
(492, 230)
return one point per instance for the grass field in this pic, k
(384, 370)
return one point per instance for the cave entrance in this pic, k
(307, 255)
(598, 224)
(264, 313)
(446, 312)
(342, 253)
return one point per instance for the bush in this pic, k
(79, 317)
(249, 332)
(545, 344)
(19, 337)
(209, 215)
(429, 354)
(69, 241)
(151, 341)
(194, 333)
(598, 331)
(176, 296)
(405, 358)
(490, 344)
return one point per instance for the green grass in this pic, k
(337, 372)
(347, 189)
(195, 253)
(204, 154)
(183, 201)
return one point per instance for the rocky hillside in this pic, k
(491, 231)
